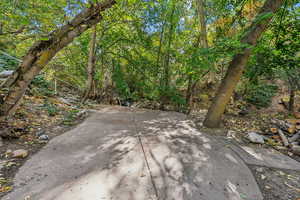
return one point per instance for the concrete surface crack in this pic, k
(145, 157)
(148, 167)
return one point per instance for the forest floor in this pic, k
(275, 182)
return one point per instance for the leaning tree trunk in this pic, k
(237, 65)
(91, 66)
(43, 51)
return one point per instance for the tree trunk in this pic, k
(91, 65)
(43, 51)
(202, 21)
(292, 100)
(237, 65)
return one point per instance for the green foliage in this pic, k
(51, 109)
(70, 117)
(7, 63)
(260, 95)
(121, 84)
(149, 49)
(43, 86)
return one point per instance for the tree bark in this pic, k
(91, 65)
(237, 65)
(43, 51)
(202, 22)
(292, 100)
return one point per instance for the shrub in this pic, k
(260, 95)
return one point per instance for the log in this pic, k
(283, 138)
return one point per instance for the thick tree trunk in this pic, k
(237, 65)
(90, 66)
(43, 51)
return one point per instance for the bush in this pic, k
(7, 63)
(43, 86)
(260, 95)
(51, 109)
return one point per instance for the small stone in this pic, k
(255, 138)
(267, 187)
(8, 152)
(260, 170)
(263, 177)
(27, 198)
(39, 133)
(290, 154)
(21, 153)
(44, 137)
(231, 134)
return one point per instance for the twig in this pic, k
(297, 189)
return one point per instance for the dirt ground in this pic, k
(277, 184)
(11, 165)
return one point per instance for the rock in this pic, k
(40, 133)
(43, 137)
(82, 113)
(268, 187)
(1, 142)
(8, 153)
(231, 134)
(6, 73)
(20, 153)
(255, 138)
(260, 170)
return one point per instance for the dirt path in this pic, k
(125, 154)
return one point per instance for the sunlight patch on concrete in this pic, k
(128, 178)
